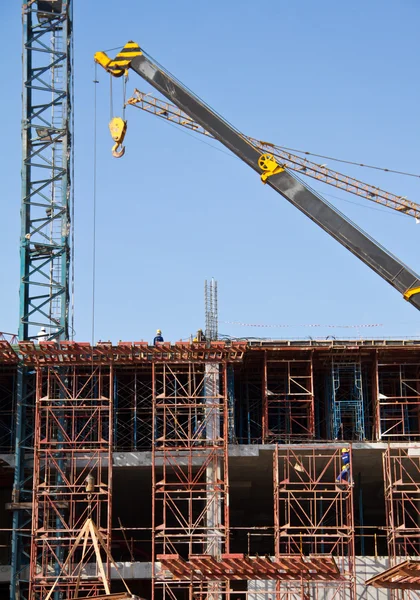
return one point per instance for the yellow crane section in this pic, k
(295, 163)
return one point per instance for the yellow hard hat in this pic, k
(344, 450)
(158, 331)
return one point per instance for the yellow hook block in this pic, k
(118, 129)
(269, 165)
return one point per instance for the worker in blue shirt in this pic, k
(158, 337)
(344, 476)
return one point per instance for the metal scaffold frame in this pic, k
(313, 523)
(402, 502)
(248, 413)
(401, 469)
(22, 483)
(8, 377)
(288, 398)
(72, 479)
(398, 399)
(347, 401)
(133, 420)
(190, 485)
(68, 363)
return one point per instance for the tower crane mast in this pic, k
(47, 168)
(45, 239)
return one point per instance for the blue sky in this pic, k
(329, 77)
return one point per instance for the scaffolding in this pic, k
(398, 400)
(132, 421)
(272, 399)
(248, 412)
(23, 480)
(401, 469)
(313, 523)
(288, 400)
(72, 471)
(347, 404)
(190, 520)
(178, 401)
(8, 377)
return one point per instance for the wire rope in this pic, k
(94, 170)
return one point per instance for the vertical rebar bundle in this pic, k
(210, 305)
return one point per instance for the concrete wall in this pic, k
(366, 567)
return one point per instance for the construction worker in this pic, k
(42, 335)
(344, 476)
(200, 337)
(158, 337)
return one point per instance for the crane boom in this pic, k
(294, 162)
(326, 216)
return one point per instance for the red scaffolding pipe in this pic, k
(190, 470)
(72, 476)
(313, 515)
(401, 469)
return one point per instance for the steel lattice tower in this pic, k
(46, 209)
(47, 168)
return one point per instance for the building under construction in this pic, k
(251, 470)
(213, 468)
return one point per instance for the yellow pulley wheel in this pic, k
(267, 162)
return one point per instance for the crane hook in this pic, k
(118, 153)
(118, 129)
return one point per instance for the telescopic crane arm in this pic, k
(390, 268)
